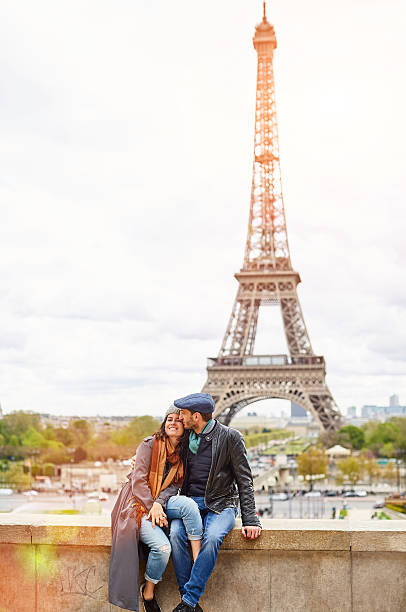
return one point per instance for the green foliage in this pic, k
(370, 466)
(14, 477)
(33, 439)
(390, 473)
(131, 435)
(17, 423)
(49, 469)
(397, 508)
(56, 455)
(382, 439)
(379, 435)
(13, 440)
(312, 462)
(351, 469)
(49, 433)
(82, 431)
(327, 439)
(355, 436)
(79, 455)
(64, 436)
(400, 442)
(254, 439)
(294, 447)
(37, 470)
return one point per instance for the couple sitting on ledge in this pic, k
(189, 475)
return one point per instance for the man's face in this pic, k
(187, 418)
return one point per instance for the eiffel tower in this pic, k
(237, 376)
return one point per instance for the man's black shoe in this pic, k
(184, 607)
(150, 605)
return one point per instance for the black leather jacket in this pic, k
(230, 476)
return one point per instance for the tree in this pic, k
(129, 437)
(15, 477)
(351, 469)
(400, 441)
(82, 431)
(387, 450)
(49, 469)
(101, 448)
(79, 455)
(330, 438)
(37, 470)
(389, 473)
(33, 439)
(65, 436)
(370, 466)
(13, 441)
(56, 455)
(49, 433)
(377, 435)
(355, 436)
(312, 462)
(17, 423)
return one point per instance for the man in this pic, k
(217, 475)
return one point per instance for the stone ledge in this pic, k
(287, 535)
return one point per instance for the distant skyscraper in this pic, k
(351, 412)
(394, 400)
(297, 411)
(369, 412)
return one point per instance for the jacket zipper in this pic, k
(213, 449)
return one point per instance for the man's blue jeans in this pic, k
(192, 579)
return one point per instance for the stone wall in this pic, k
(55, 563)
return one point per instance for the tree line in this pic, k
(23, 436)
(368, 443)
(381, 439)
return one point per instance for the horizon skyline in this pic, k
(280, 409)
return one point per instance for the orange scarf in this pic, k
(162, 451)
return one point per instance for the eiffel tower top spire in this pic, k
(267, 246)
(265, 33)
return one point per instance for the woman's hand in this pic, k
(157, 515)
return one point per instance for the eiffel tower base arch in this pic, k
(233, 387)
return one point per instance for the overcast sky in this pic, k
(125, 171)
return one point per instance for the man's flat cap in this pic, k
(196, 402)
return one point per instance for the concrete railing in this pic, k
(57, 563)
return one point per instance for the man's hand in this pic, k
(157, 515)
(251, 533)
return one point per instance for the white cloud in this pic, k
(126, 157)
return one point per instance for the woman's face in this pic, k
(173, 427)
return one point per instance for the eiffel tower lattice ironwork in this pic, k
(237, 376)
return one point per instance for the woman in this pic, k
(139, 515)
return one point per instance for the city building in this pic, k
(394, 400)
(382, 413)
(351, 412)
